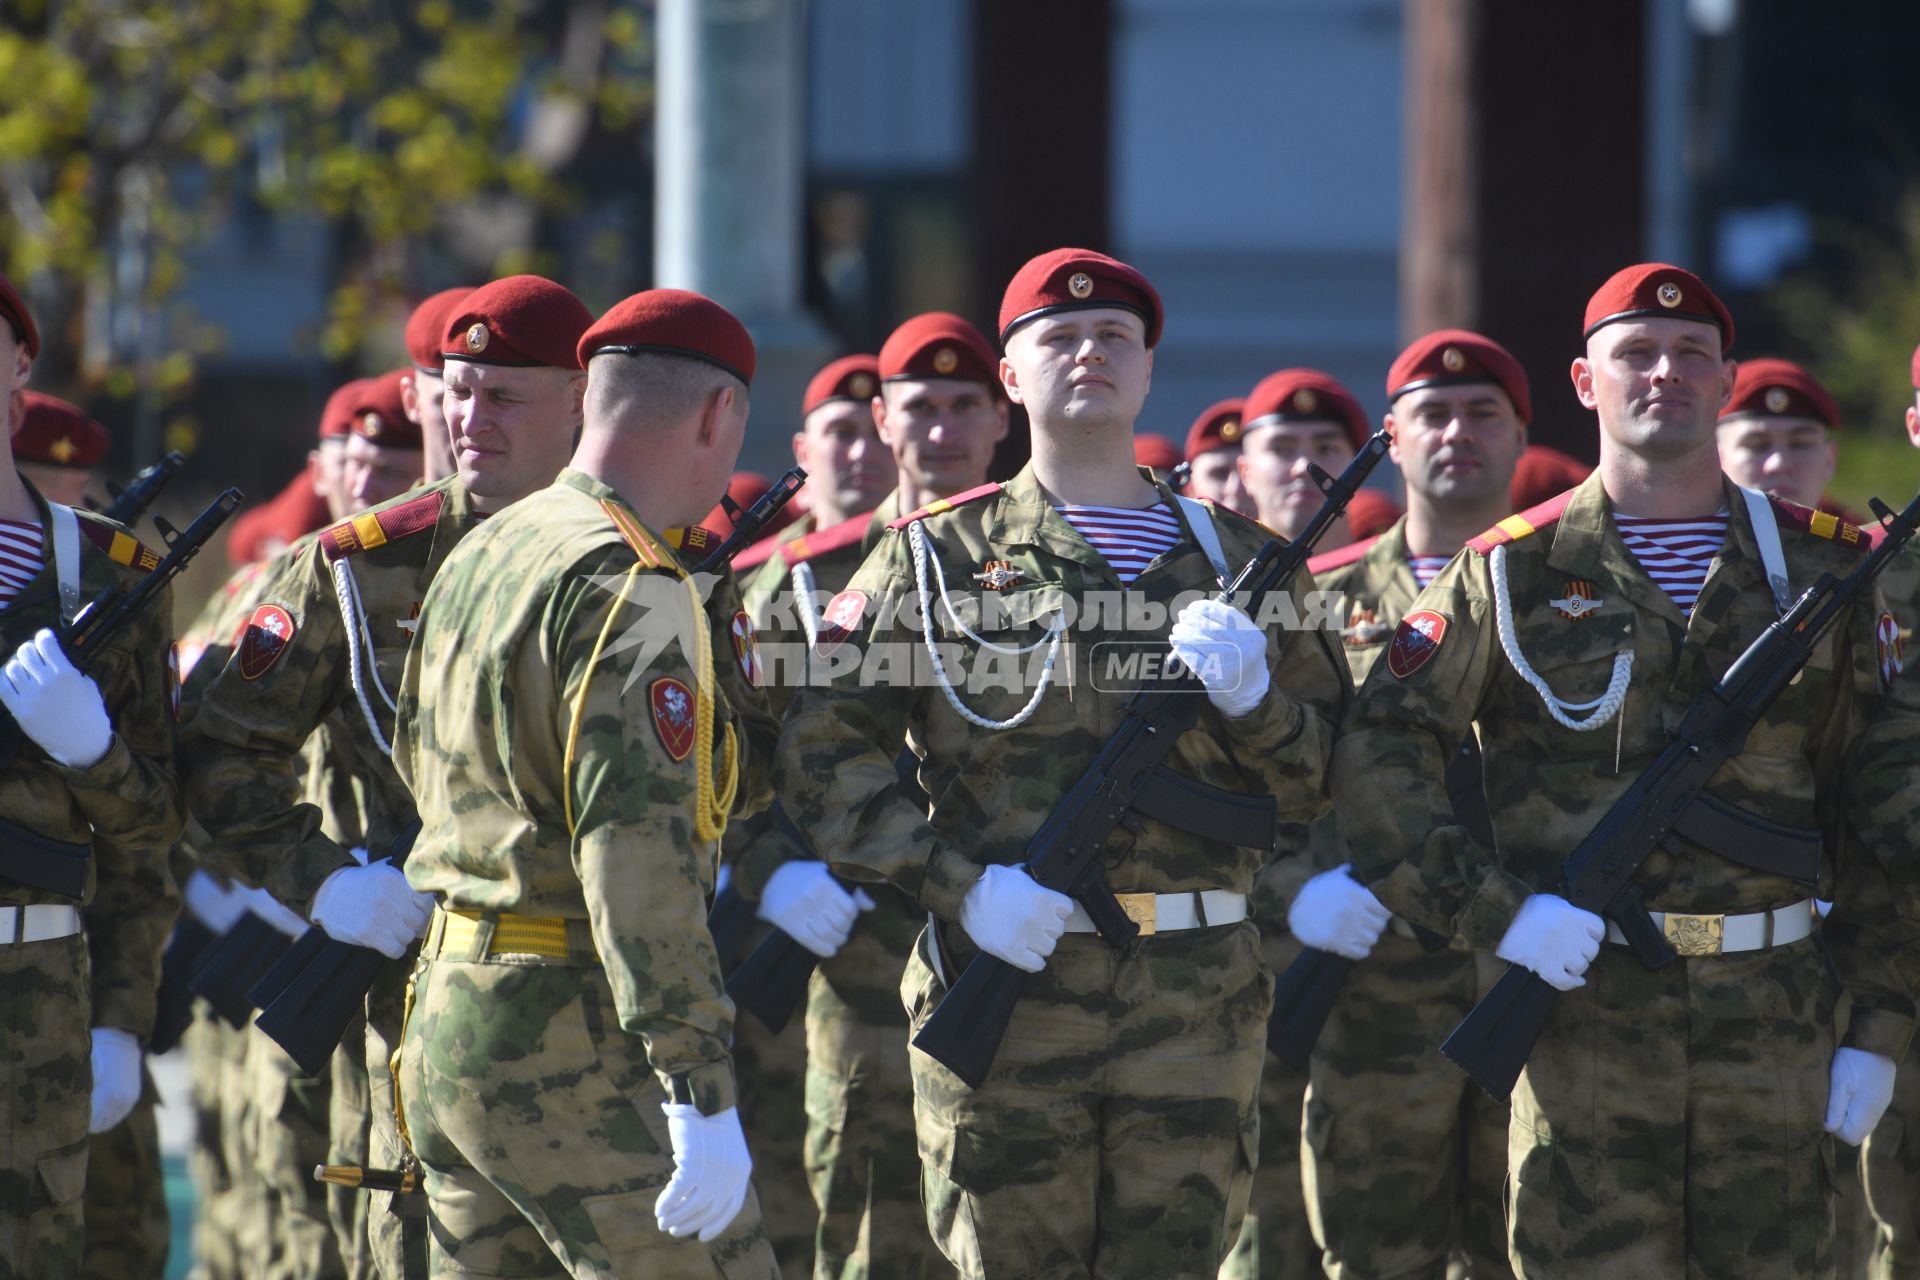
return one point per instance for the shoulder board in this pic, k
(1528, 522)
(372, 529)
(935, 507)
(1340, 557)
(808, 545)
(635, 535)
(695, 538)
(760, 552)
(120, 546)
(1821, 524)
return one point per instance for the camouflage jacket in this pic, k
(835, 768)
(544, 729)
(1837, 743)
(128, 804)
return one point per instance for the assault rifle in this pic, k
(60, 866)
(1067, 853)
(130, 503)
(1492, 1043)
(749, 525)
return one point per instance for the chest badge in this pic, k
(1364, 629)
(1578, 600)
(999, 575)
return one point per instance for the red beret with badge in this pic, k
(14, 308)
(1654, 290)
(55, 433)
(939, 344)
(1452, 357)
(1542, 473)
(521, 321)
(1218, 427)
(1771, 388)
(427, 328)
(336, 420)
(852, 378)
(380, 413)
(1304, 395)
(1151, 449)
(672, 322)
(1078, 280)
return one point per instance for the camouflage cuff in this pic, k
(120, 1009)
(1879, 1031)
(1275, 888)
(948, 877)
(1271, 727)
(111, 778)
(295, 880)
(1488, 913)
(709, 1087)
(754, 865)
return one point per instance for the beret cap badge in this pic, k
(1230, 429)
(1776, 399)
(945, 360)
(1304, 401)
(1669, 294)
(860, 385)
(1080, 285)
(1453, 359)
(477, 338)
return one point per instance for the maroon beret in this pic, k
(672, 322)
(1371, 512)
(1450, 357)
(1304, 395)
(57, 434)
(1543, 473)
(854, 378)
(1077, 280)
(14, 308)
(380, 414)
(939, 344)
(521, 320)
(1651, 289)
(296, 510)
(1217, 427)
(1151, 449)
(336, 420)
(427, 327)
(744, 489)
(1771, 388)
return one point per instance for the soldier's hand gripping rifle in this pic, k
(1067, 853)
(60, 866)
(1492, 1043)
(130, 503)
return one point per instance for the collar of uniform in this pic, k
(1586, 545)
(1737, 566)
(1024, 515)
(457, 518)
(883, 515)
(1387, 565)
(41, 585)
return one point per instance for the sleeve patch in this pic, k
(839, 620)
(263, 638)
(1415, 642)
(672, 704)
(1886, 637)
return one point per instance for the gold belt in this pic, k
(455, 931)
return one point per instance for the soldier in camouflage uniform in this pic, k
(424, 385)
(513, 401)
(1669, 1121)
(574, 753)
(95, 771)
(126, 1198)
(1116, 1130)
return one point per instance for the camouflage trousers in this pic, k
(861, 1159)
(538, 1123)
(771, 1075)
(1668, 1123)
(1117, 1130)
(126, 1201)
(396, 1224)
(347, 1110)
(46, 1080)
(1405, 1157)
(1890, 1170)
(1276, 1241)
(215, 1053)
(289, 1137)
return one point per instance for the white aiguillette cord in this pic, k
(917, 537)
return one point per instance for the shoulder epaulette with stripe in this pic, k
(634, 534)
(372, 529)
(935, 507)
(120, 547)
(1821, 524)
(696, 538)
(1341, 557)
(1528, 522)
(760, 552)
(845, 534)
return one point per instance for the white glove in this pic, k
(710, 1168)
(269, 908)
(56, 706)
(803, 901)
(1555, 939)
(359, 854)
(217, 906)
(1334, 912)
(374, 907)
(1859, 1089)
(1226, 651)
(116, 1078)
(1012, 918)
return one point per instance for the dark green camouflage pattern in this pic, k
(126, 1198)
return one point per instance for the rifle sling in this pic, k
(1751, 840)
(1210, 812)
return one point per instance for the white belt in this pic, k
(1168, 912)
(38, 923)
(1715, 935)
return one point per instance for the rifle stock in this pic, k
(232, 963)
(1303, 997)
(174, 1011)
(131, 503)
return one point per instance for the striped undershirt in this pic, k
(1675, 553)
(1129, 537)
(22, 554)
(1427, 568)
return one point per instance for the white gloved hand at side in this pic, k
(1555, 939)
(372, 906)
(116, 1078)
(1860, 1085)
(710, 1170)
(57, 707)
(1334, 912)
(1225, 651)
(1012, 918)
(804, 902)
(213, 904)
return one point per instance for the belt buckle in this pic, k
(1695, 935)
(1142, 909)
